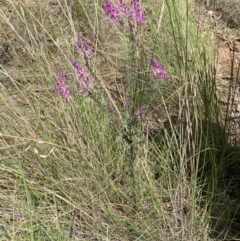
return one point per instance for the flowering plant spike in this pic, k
(158, 70)
(60, 82)
(116, 13)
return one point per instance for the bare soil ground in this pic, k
(220, 19)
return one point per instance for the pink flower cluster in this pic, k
(141, 112)
(112, 11)
(84, 83)
(85, 47)
(61, 83)
(126, 102)
(158, 70)
(136, 12)
(132, 12)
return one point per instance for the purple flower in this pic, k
(133, 11)
(84, 84)
(126, 102)
(77, 69)
(145, 130)
(111, 11)
(61, 86)
(86, 47)
(79, 42)
(84, 88)
(63, 90)
(158, 70)
(88, 54)
(141, 112)
(137, 13)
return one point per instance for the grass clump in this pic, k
(118, 136)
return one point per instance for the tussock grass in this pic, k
(82, 169)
